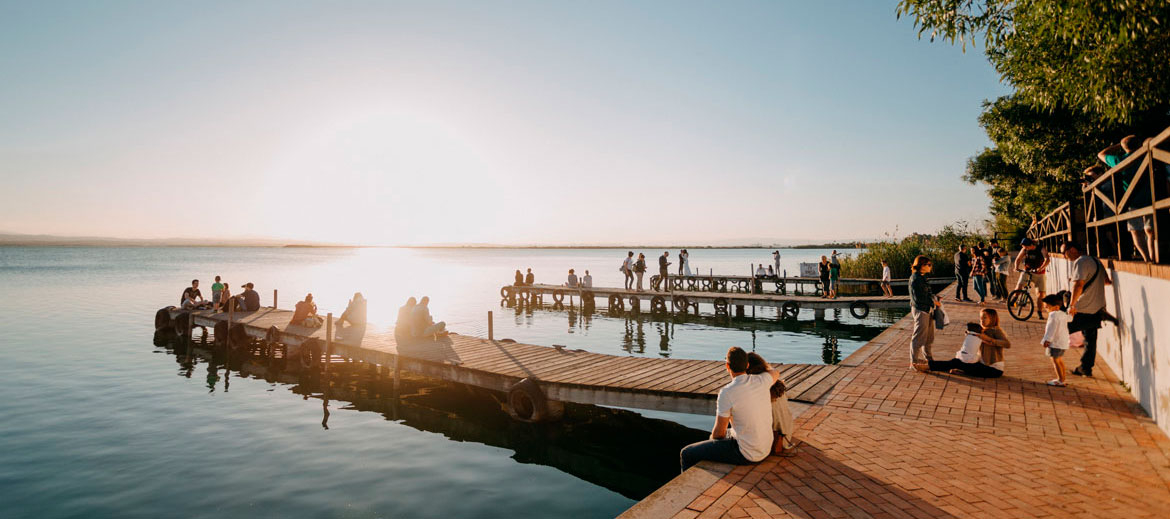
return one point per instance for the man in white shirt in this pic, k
(746, 401)
(587, 280)
(1087, 280)
(628, 270)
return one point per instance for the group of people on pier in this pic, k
(221, 298)
(830, 271)
(635, 268)
(986, 267)
(305, 313)
(523, 280)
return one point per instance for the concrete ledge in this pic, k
(674, 496)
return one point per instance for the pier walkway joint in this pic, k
(889, 442)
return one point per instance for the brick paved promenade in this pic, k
(891, 442)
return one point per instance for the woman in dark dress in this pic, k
(824, 270)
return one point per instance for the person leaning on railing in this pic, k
(1112, 156)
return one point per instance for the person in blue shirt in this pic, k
(1112, 156)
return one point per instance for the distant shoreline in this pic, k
(480, 247)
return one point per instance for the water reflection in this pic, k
(613, 448)
(635, 326)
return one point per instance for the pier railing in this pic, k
(1117, 208)
(1134, 193)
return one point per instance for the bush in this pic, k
(940, 248)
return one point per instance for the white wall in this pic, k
(1139, 351)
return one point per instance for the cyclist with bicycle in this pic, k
(1032, 261)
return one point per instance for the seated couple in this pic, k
(981, 354)
(414, 320)
(755, 403)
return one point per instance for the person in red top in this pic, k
(304, 310)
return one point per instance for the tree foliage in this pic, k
(940, 248)
(1108, 58)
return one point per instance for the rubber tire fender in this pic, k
(558, 295)
(859, 309)
(309, 356)
(790, 309)
(505, 292)
(526, 402)
(657, 305)
(162, 318)
(680, 303)
(615, 301)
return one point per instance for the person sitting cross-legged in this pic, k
(747, 402)
(421, 323)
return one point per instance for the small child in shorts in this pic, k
(1056, 334)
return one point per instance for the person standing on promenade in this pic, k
(628, 270)
(922, 305)
(587, 280)
(747, 402)
(886, 289)
(1055, 340)
(530, 278)
(1033, 261)
(1002, 265)
(640, 269)
(664, 271)
(1086, 308)
(962, 273)
(979, 276)
(824, 271)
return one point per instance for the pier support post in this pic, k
(739, 310)
(328, 339)
(397, 373)
(819, 314)
(491, 331)
(274, 307)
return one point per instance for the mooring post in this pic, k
(190, 327)
(491, 331)
(328, 339)
(274, 307)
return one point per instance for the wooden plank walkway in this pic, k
(891, 442)
(678, 385)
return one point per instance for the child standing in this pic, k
(1056, 334)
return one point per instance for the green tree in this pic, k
(1109, 58)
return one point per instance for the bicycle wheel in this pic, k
(1020, 305)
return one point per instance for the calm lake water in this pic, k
(98, 422)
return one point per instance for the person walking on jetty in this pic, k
(962, 273)
(887, 290)
(1055, 340)
(530, 278)
(216, 292)
(1086, 308)
(922, 305)
(627, 269)
(824, 272)
(587, 280)
(402, 327)
(664, 271)
(640, 269)
(747, 402)
(421, 322)
(834, 279)
(1033, 261)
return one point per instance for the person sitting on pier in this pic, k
(586, 280)
(225, 298)
(761, 271)
(746, 400)
(783, 426)
(402, 329)
(249, 300)
(355, 311)
(572, 281)
(530, 278)
(982, 353)
(305, 313)
(421, 322)
(771, 272)
(519, 278)
(191, 293)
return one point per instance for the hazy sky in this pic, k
(502, 122)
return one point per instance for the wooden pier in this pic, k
(535, 378)
(687, 302)
(779, 284)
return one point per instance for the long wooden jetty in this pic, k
(535, 378)
(777, 284)
(687, 302)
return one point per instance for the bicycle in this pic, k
(1020, 302)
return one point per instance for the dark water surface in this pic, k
(96, 421)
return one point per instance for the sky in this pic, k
(384, 123)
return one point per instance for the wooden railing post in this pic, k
(274, 307)
(491, 331)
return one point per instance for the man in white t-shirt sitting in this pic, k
(747, 402)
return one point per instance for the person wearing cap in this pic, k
(249, 300)
(1032, 261)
